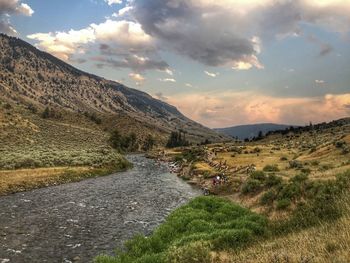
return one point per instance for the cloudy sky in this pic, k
(221, 62)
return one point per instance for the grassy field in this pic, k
(37, 152)
(270, 176)
(19, 180)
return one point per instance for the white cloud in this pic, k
(167, 80)
(25, 10)
(112, 2)
(9, 8)
(318, 81)
(210, 74)
(137, 77)
(116, 38)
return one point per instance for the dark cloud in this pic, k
(325, 48)
(134, 62)
(181, 26)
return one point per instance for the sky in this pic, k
(220, 62)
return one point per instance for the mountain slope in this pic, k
(250, 131)
(30, 76)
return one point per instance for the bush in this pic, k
(271, 168)
(268, 197)
(283, 204)
(295, 164)
(258, 175)
(284, 158)
(273, 180)
(251, 186)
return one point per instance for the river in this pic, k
(76, 222)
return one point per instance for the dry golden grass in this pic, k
(327, 243)
(12, 181)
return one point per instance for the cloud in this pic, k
(229, 32)
(121, 44)
(137, 77)
(167, 80)
(318, 81)
(218, 110)
(160, 96)
(64, 44)
(134, 62)
(112, 2)
(325, 48)
(210, 74)
(9, 8)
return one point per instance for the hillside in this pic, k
(250, 131)
(56, 121)
(29, 76)
(295, 182)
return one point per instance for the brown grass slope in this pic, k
(28, 75)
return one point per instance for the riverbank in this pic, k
(20, 180)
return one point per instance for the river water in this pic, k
(77, 221)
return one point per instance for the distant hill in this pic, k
(36, 79)
(249, 131)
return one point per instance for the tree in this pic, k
(149, 143)
(177, 139)
(122, 143)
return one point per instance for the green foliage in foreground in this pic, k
(190, 232)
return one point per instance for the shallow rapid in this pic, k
(76, 222)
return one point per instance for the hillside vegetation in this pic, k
(281, 199)
(57, 117)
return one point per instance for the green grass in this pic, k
(206, 223)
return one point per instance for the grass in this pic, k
(206, 223)
(37, 152)
(13, 181)
(327, 242)
(213, 229)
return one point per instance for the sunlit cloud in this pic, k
(233, 108)
(138, 78)
(167, 80)
(211, 74)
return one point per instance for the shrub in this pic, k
(284, 158)
(315, 163)
(268, 197)
(258, 175)
(295, 164)
(273, 180)
(283, 204)
(251, 186)
(340, 144)
(271, 168)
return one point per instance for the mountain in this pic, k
(250, 131)
(37, 79)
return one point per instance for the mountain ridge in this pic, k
(39, 78)
(251, 130)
